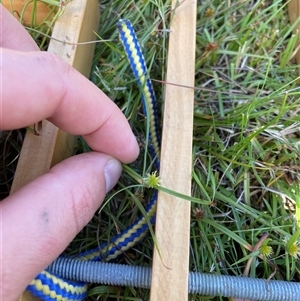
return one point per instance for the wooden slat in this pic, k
(39, 153)
(170, 268)
(294, 13)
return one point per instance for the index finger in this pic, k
(39, 85)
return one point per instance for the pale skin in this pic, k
(38, 221)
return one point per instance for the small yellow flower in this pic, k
(152, 180)
(292, 246)
(266, 251)
(294, 250)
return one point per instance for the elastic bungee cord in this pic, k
(49, 286)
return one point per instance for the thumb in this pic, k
(40, 219)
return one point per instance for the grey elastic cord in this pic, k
(199, 283)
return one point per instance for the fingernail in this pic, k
(112, 173)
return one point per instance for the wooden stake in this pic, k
(39, 153)
(171, 263)
(294, 13)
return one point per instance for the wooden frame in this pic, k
(170, 268)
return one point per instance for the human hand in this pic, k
(40, 219)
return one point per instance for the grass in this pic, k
(246, 139)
